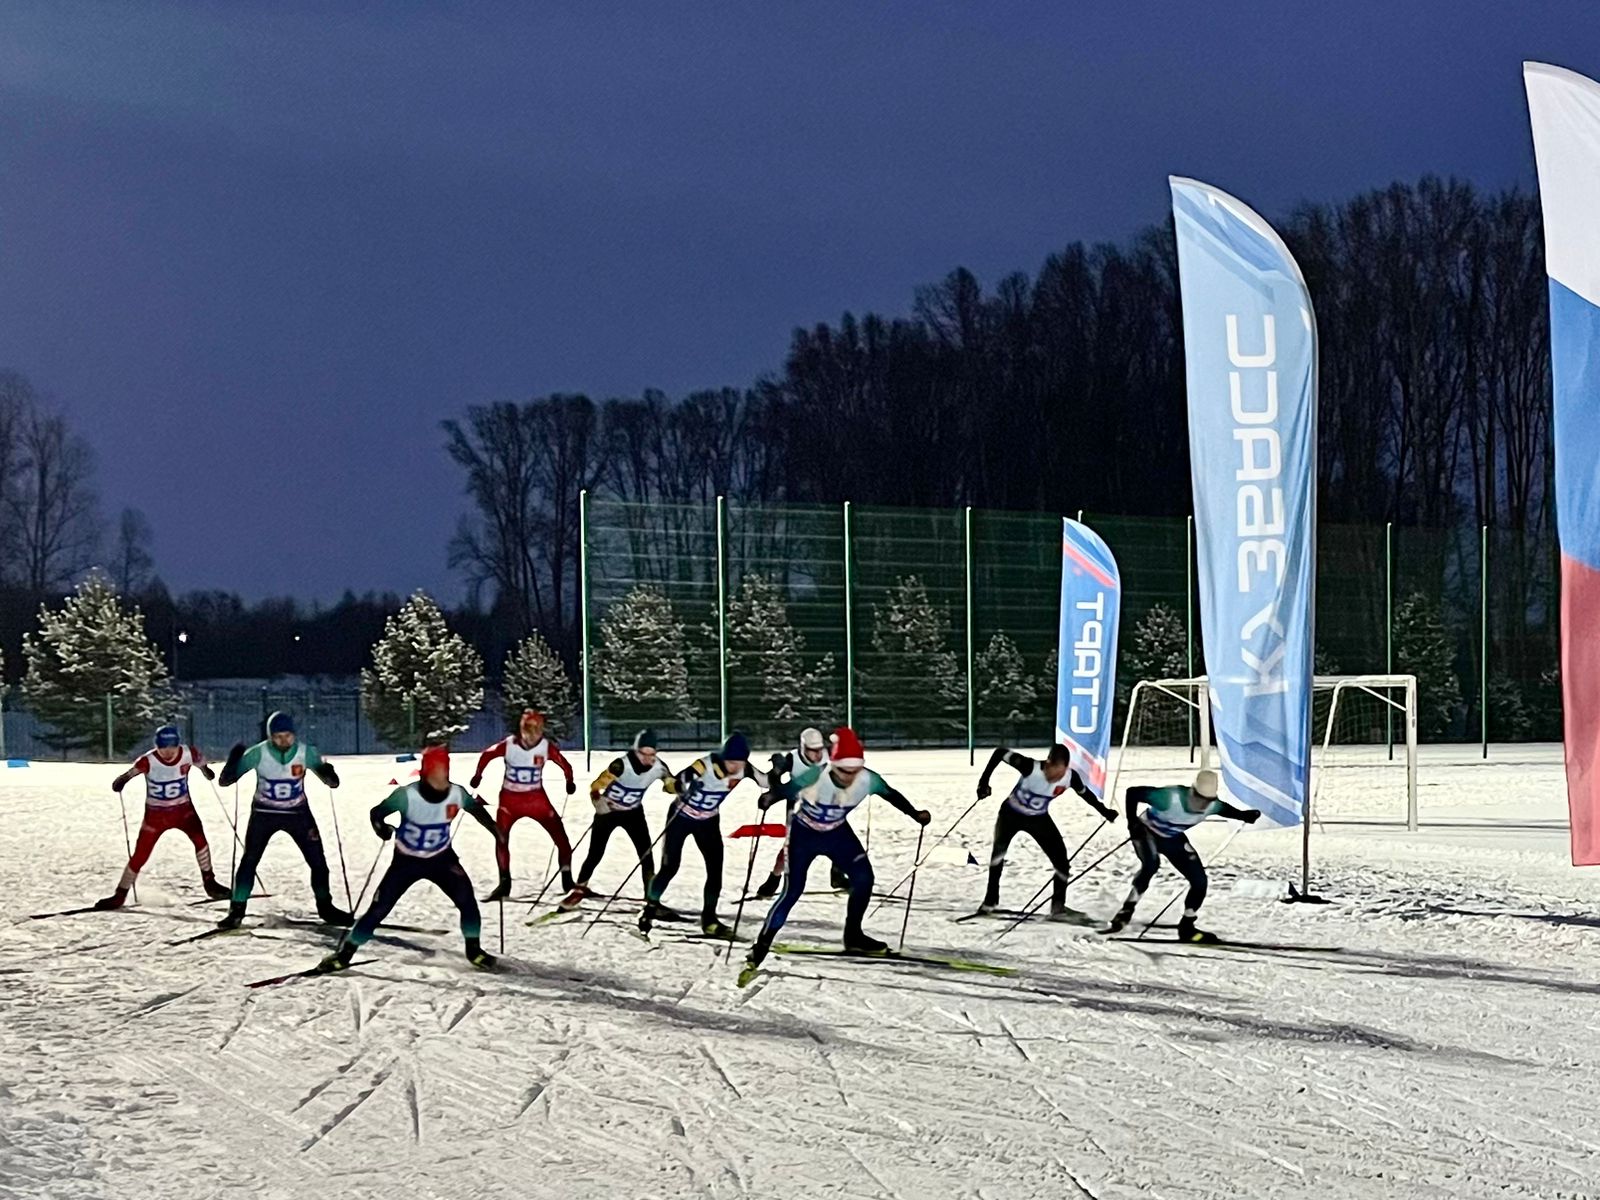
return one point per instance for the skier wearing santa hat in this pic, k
(528, 754)
(824, 796)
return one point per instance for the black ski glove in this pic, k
(230, 768)
(326, 773)
(382, 828)
(1110, 814)
(984, 791)
(572, 787)
(1251, 816)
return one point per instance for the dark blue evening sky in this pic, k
(258, 251)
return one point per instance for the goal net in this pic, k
(1363, 760)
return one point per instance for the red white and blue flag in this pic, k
(1565, 109)
(1086, 654)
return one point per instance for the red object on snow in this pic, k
(759, 831)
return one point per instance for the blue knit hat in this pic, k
(736, 748)
(280, 722)
(168, 736)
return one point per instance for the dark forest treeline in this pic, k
(1066, 391)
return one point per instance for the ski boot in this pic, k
(567, 881)
(857, 942)
(1119, 922)
(330, 913)
(769, 887)
(1061, 914)
(713, 926)
(573, 898)
(501, 891)
(988, 905)
(116, 900)
(339, 960)
(1187, 932)
(753, 960)
(215, 890)
(479, 957)
(234, 918)
(647, 918)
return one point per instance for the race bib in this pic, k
(424, 839)
(172, 789)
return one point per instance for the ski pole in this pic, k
(1225, 844)
(629, 878)
(126, 840)
(534, 903)
(912, 891)
(1034, 901)
(234, 826)
(362, 894)
(343, 870)
(749, 872)
(1038, 897)
(931, 849)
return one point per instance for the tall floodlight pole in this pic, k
(583, 606)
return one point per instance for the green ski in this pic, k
(921, 960)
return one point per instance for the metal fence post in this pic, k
(1483, 638)
(111, 754)
(583, 605)
(411, 722)
(1388, 622)
(358, 721)
(722, 613)
(967, 544)
(849, 628)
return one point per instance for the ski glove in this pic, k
(1110, 814)
(1251, 816)
(572, 787)
(120, 782)
(984, 791)
(326, 773)
(922, 816)
(765, 801)
(230, 769)
(382, 828)
(475, 781)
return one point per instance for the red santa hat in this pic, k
(847, 751)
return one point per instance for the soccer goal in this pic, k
(1363, 762)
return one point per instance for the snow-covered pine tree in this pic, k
(768, 680)
(90, 648)
(915, 681)
(1006, 694)
(424, 681)
(1424, 647)
(640, 665)
(535, 677)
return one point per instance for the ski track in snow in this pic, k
(1427, 1035)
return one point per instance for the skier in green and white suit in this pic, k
(280, 806)
(1162, 831)
(422, 850)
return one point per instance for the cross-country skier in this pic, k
(167, 805)
(824, 796)
(422, 850)
(527, 753)
(701, 788)
(617, 794)
(811, 751)
(1027, 810)
(1162, 830)
(280, 806)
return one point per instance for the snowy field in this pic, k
(1429, 1034)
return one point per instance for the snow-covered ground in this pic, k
(1431, 1033)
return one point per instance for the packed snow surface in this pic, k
(1430, 1033)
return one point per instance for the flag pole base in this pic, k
(1296, 896)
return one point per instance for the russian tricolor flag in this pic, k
(1565, 108)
